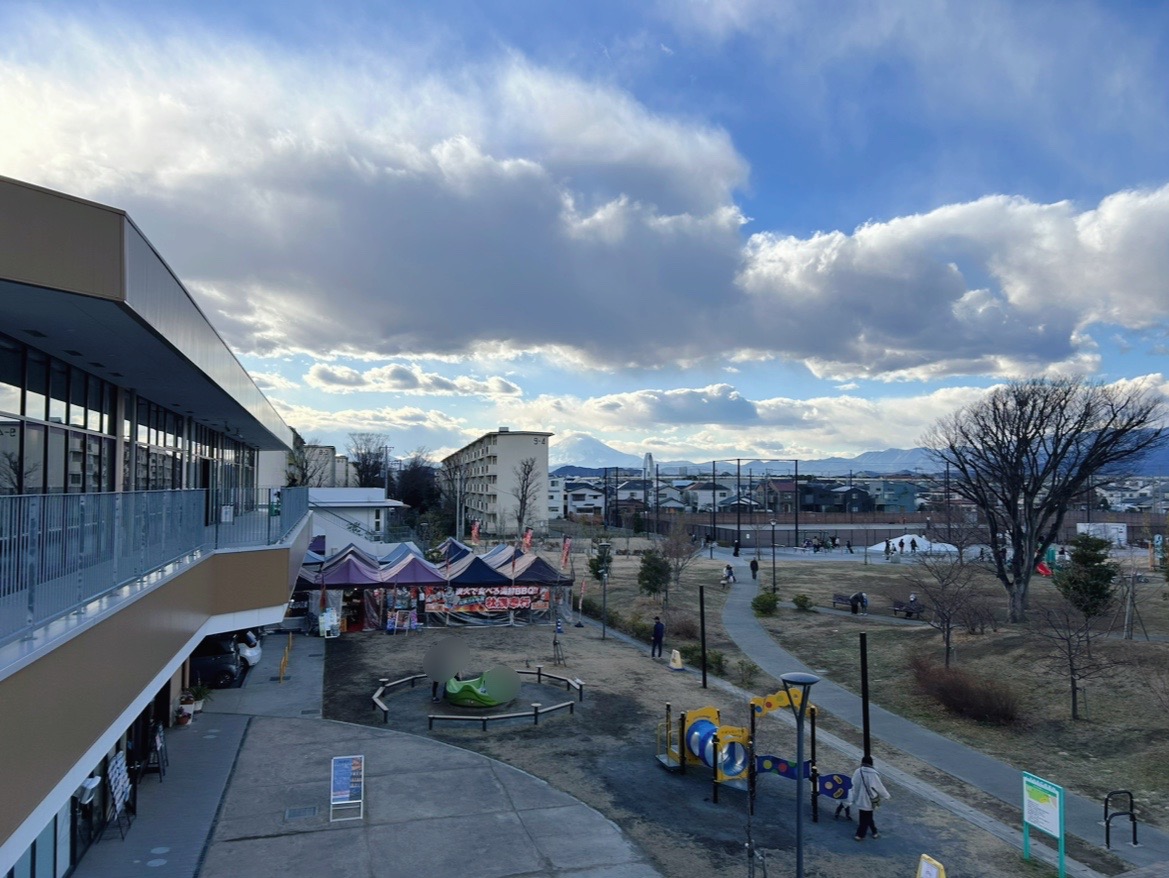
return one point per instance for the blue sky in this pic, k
(699, 229)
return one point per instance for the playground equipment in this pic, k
(697, 737)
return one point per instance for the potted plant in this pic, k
(200, 693)
(182, 717)
(187, 702)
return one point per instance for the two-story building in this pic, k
(132, 522)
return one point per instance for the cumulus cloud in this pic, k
(357, 208)
(405, 379)
(273, 381)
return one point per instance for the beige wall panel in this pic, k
(71, 696)
(51, 240)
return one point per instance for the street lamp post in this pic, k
(773, 556)
(603, 554)
(796, 684)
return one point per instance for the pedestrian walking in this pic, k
(754, 565)
(888, 549)
(848, 545)
(913, 546)
(901, 546)
(868, 792)
(659, 635)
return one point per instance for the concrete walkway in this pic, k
(247, 794)
(1083, 817)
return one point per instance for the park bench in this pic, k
(908, 609)
(842, 599)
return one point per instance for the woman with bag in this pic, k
(868, 792)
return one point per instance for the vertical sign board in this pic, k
(347, 788)
(1043, 808)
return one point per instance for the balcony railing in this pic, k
(58, 552)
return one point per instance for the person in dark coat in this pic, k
(659, 636)
(754, 565)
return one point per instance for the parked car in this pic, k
(250, 648)
(216, 662)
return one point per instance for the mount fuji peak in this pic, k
(578, 449)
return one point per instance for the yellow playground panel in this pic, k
(697, 737)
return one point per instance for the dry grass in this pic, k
(1123, 743)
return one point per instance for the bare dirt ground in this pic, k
(605, 753)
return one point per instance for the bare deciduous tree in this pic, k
(679, 551)
(368, 454)
(1071, 635)
(1024, 452)
(525, 473)
(305, 465)
(948, 585)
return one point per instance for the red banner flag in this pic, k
(528, 540)
(474, 531)
(564, 552)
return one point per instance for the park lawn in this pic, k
(1123, 743)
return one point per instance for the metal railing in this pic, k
(58, 552)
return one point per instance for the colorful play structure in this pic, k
(699, 738)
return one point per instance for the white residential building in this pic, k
(584, 498)
(492, 468)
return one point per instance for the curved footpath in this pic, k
(247, 794)
(1082, 816)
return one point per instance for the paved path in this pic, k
(247, 794)
(1082, 816)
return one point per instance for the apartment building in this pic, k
(489, 476)
(132, 520)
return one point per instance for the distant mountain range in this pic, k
(578, 454)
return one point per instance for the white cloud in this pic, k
(364, 209)
(273, 381)
(404, 379)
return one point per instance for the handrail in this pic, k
(59, 552)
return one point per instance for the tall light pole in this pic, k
(796, 684)
(603, 554)
(773, 556)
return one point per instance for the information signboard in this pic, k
(347, 788)
(1043, 804)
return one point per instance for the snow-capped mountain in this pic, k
(579, 449)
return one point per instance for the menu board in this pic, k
(347, 786)
(119, 782)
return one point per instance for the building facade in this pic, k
(131, 514)
(490, 475)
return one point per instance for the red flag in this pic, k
(528, 540)
(564, 552)
(474, 531)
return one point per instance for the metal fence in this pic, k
(58, 552)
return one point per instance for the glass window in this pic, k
(34, 459)
(108, 462)
(143, 423)
(58, 391)
(77, 398)
(75, 472)
(10, 475)
(55, 462)
(11, 376)
(36, 392)
(45, 844)
(95, 404)
(93, 464)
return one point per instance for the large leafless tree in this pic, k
(306, 466)
(524, 491)
(369, 456)
(1024, 452)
